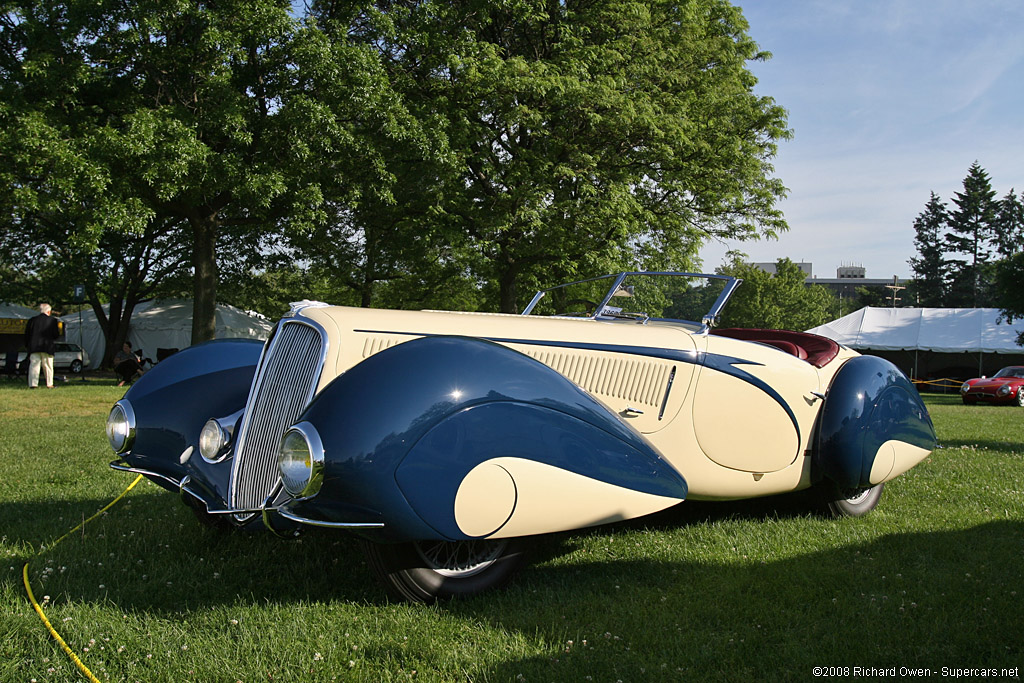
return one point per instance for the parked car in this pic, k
(67, 356)
(1003, 388)
(447, 438)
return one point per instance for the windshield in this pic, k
(1010, 372)
(641, 297)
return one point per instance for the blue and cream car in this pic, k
(446, 438)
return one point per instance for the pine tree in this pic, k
(971, 226)
(1009, 224)
(929, 285)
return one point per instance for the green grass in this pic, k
(762, 589)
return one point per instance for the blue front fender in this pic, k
(177, 396)
(402, 429)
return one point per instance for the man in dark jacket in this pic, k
(40, 334)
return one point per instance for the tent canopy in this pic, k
(942, 330)
(165, 324)
(16, 311)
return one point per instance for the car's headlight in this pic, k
(1003, 390)
(212, 440)
(965, 387)
(121, 426)
(301, 461)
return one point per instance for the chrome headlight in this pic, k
(1004, 390)
(212, 440)
(965, 387)
(301, 461)
(121, 426)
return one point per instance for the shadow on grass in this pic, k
(920, 599)
(929, 599)
(1003, 447)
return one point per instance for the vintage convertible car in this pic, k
(445, 439)
(1006, 387)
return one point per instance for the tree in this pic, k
(1008, 232)
(929, 285)
(119, 270)
(780, 301)
(228, 117)
(970, 230)
(584, 135)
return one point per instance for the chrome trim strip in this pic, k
(330, 525)
(116, 465)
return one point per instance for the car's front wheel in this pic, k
(425, 571)
(850, 502)
(1020, 397)
(76, 366)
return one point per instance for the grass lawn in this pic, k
(764, 590)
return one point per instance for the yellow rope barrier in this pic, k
(39, 610)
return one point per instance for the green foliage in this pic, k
(583, 137)
(781, 301)
(970, 230)
(929, 285)
(233, 120)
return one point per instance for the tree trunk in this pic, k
(204, 288)
(507, 289)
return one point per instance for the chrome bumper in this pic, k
(267, 508)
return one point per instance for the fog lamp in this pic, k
(212, 439)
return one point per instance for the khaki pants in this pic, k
(36, 360)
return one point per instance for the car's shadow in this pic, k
(157, 560)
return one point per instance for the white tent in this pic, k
(16, 311)
(165, 324)
(953, 338)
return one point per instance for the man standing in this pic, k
(40, 334)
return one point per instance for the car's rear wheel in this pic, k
(76, 366)
(850, 502)
(425, 571)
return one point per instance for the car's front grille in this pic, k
(284, 384)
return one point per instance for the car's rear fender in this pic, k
(873, 425)
(436, 425)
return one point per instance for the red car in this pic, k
(1004, 387)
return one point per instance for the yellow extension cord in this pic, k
(39, 610)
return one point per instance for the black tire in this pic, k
(855, 502)
(76, 367)
(425, 571)
(969, 402)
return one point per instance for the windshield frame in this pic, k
(616, 279)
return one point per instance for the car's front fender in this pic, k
(454, 438)
(173, 400)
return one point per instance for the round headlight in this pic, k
(121, 426)
(301, 461)
(212, 439)
(965, 387)
(1003, 390)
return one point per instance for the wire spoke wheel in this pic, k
(425, 571)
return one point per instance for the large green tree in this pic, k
(583, 136)
(969, 234)
(929, 266)
(229, 117)
(781, 300)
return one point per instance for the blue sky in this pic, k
(888, 101)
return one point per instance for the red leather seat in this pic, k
(813, 348)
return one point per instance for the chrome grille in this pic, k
(284, 384)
